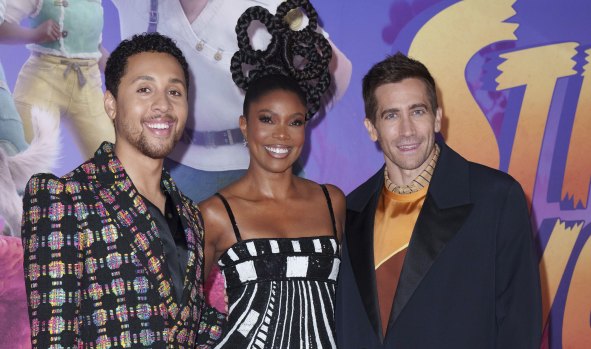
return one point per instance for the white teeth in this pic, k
(406, 146)
(277, 150)
(159, 126)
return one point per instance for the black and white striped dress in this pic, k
(281, 292)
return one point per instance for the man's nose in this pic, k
(407, 127)
(161, 102)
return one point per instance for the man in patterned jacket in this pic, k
(113, 251)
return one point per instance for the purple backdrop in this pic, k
(557, 181)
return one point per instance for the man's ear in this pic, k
(438, 117)
(371, 129)
(110, 105)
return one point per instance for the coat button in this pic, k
(218, 56)
(199, 46)
(64, 33)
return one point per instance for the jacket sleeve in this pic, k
(52, 263)
(210, 327)
(517, 290)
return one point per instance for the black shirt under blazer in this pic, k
(470, 277)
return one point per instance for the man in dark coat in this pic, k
(438, 250)
(113, 251)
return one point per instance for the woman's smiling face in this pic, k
(274, 128)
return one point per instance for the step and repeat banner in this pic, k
(514, 80)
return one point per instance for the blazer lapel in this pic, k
(446, 208)
(433, 230)
(123, 202)
(360, 224)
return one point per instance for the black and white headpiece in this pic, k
(303, 54)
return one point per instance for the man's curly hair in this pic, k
(146, 42)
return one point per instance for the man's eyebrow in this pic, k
(177, 81)
(418, 105)
(150, 78)
(143, 77)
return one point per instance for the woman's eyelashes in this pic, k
(267, 119)
(298, 122)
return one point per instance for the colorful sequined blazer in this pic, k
(94, 264)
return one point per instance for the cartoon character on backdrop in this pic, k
(12, 140)
(18, 162)
(212, 155)
(62, 74)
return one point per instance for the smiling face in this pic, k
(405, 128)
(274, 128)
(150, 110)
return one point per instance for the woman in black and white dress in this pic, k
(276, 235)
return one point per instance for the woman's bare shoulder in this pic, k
(213, 212)
(213, 205)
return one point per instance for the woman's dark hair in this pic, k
(269, 83)
(301, 55)
(146, 42)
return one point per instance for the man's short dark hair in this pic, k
(394, 69)
(146, 42)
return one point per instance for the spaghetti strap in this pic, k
(231, 215)
(329, 203)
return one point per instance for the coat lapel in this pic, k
(433, 230)
(446, 208)
(360, 224)
(123, 202)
